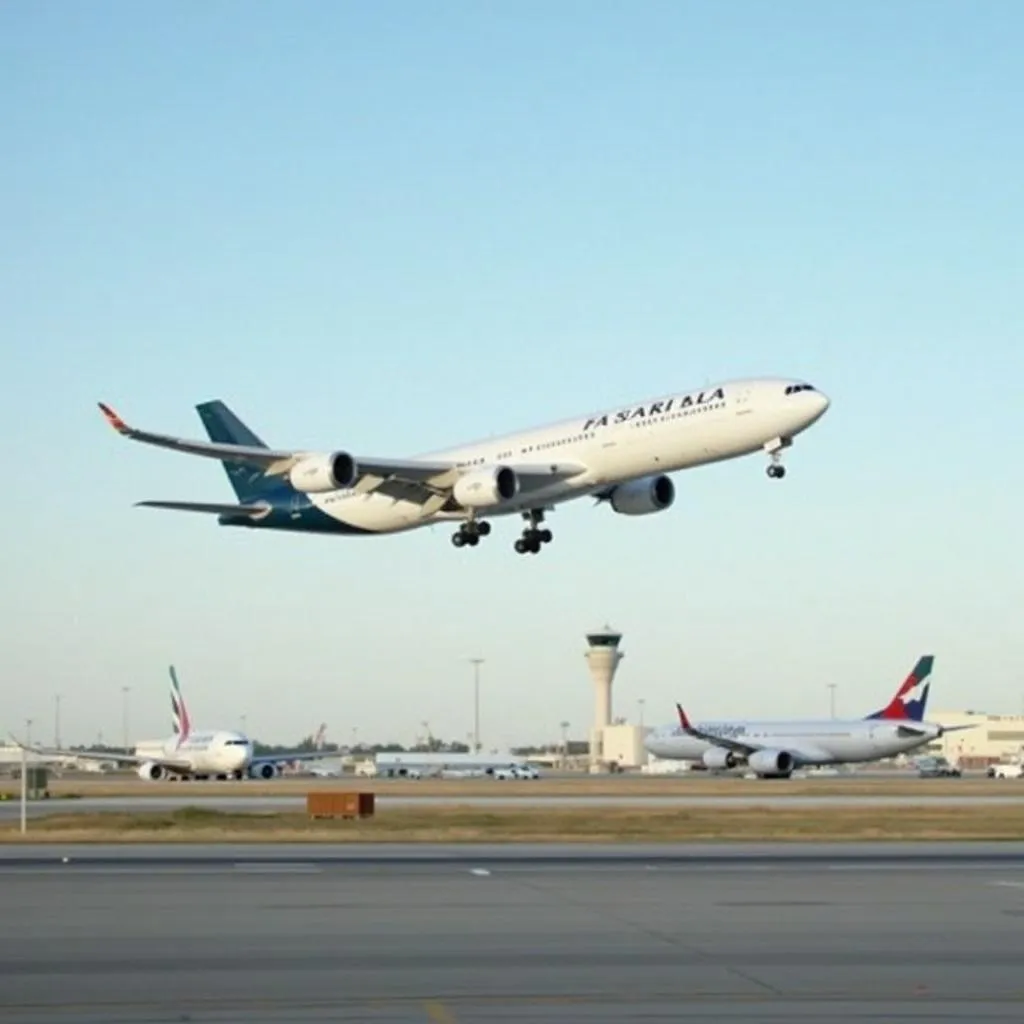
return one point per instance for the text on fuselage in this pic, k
(654, 409)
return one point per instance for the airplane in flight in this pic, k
(773, 749)
(191, 753)
(621, 457)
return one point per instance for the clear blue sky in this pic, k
(396, 226)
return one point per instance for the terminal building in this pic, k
(993, 738)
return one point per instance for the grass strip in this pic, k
(454, 824)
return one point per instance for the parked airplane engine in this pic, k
(317, 473)
(151, 772)
(263, 771)
(641, 497)
(485, 487)
(771, 762)
(716, 757)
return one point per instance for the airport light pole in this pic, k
(125, 690)
(832, 700)
(28, 732)
(641, 703)
(56, 720)
(565, 744)
(476, 663)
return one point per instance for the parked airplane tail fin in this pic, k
(224, 427)
(180, 721)
(904, 705)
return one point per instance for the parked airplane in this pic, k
(194, 754)
(415, 764)
(773, 749)
(619, 456)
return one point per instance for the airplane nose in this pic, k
(818, 403)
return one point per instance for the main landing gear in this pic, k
(775, 470)
(469, 533)
(534, 535)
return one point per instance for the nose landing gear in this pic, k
(775, 448)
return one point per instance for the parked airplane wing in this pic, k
(296, 755)
(798, 747)
(726, 742)
(102, 755)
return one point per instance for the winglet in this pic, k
(113, 419)
(683, 720)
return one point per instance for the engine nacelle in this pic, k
(317, 473)
(641, 497)
(483, 488)
(264, 770)
(771, 762)
(151, 771)
(716, 757)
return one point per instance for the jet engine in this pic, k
(151, 771)
(317, 473)
(716, 757)
(483, 488)
(641, 497)
(771, 762)
(264, 770)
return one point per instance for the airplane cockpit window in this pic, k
(236, 743)
(792, 389)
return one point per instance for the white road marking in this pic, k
(278, 869)
(479, 871)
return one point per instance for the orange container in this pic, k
(343, 804)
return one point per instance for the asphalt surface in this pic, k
(886, 932)
(10, 809)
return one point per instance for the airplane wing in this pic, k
(102, 755)
(296, 755)
(424, 482)
(800, 749)
(725, 742)
(258, 510)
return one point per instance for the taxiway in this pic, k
(466, 935)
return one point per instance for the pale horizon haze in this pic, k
(395, 227)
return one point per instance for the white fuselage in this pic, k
(677, 431)
(218, 752)
(829, 741)
(443, 763)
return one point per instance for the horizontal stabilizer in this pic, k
(254, 511)
(907, 732)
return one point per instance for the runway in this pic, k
(10, 809)
(467, 935)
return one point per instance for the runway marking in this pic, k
(479, 871)
(1009, 885)
(439, 1013)
(278, 869)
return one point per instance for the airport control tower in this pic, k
(603, 659)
